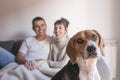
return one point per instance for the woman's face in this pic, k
(40, 28)
(59, 30)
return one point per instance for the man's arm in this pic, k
(20, 58)
(30, 65)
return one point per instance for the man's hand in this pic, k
(31, 65)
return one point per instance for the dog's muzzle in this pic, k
(91, 50)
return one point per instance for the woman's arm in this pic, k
(59, 64)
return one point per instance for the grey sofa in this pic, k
(11, 45)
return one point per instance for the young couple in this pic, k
(41, 51)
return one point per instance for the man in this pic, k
(32, 48)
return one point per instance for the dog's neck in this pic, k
(88, 69)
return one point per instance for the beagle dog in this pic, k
(84, 49)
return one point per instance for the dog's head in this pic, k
(85, 44)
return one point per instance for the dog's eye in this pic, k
(94, 38)
(79, 41)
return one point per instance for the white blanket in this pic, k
(14, 71)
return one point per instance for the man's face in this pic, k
(40, 27)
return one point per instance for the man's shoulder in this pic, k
(29, 39)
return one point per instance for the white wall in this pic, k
(16, 16)
(102, 15)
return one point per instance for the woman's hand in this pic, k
(42, 65)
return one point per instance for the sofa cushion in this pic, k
(16, 46)
(8, 45)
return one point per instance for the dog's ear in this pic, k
(70, 50)
(101, 42)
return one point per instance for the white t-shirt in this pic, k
(34, 49)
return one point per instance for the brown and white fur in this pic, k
(84, 48)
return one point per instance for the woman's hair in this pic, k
(63, 21)
(37, 19)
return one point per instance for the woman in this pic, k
(57, 57)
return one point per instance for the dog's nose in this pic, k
(91, 49)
